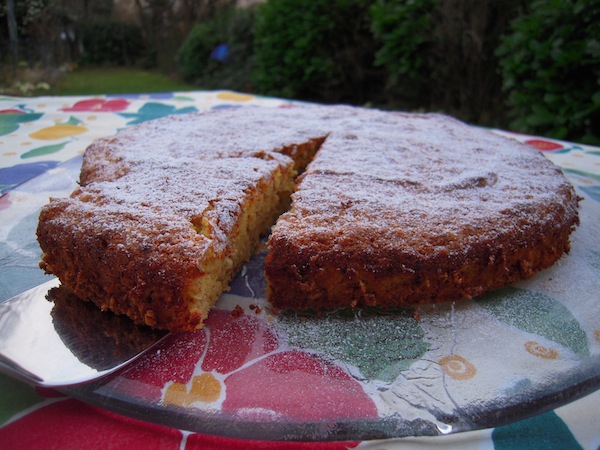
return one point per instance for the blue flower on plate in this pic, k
(15, 175)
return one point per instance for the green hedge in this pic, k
(111, 42)
(404, 33)
(233, 28)
(319, 50)
(475, 60)
(550, 62)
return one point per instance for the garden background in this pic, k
(527, 66)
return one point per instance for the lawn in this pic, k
(116, 81)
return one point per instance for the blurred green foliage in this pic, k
(319, 50)
(197, 62)
(538, 61)
(111, 42)
(531, 66)
(403, 29)
(550, 65)
(121, 80)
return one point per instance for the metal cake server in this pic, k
(54, 344)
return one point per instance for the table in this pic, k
(46, 135)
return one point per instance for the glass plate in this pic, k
(255, 373)
(252, 373)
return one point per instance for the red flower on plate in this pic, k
(71, 424)
(99, 105)
(543, 145)
(237, 365)
(5, 202)
(12, 111)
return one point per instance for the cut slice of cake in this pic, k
(168, 211)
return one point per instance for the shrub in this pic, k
(197, 59)
(318, 50)
(111, 42)
(194, 54)
(551, 69)
(439, 55)
(403, 29)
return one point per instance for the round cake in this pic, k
(393, 210)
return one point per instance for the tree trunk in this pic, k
(12, 33)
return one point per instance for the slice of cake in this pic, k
(168, 211)
(394, 209)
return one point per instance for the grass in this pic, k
(116, 81)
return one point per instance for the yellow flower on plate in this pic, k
(234, 96)
(457, 367)
(536, 349)
(204, 388)
(62, 130)
(59, 131)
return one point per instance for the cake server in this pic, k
(46, 347)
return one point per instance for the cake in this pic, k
(393, 209)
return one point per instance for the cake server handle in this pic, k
(35, 350)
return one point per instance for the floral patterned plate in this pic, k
(251, 373)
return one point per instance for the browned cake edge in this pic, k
(98, 266)
(304, 278)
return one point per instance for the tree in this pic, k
(12, 32)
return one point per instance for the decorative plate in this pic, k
(253, 373)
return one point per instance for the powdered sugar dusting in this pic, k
(165, 196)
(423, 183)
(385, 175)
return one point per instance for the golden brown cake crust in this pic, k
(168, 210)
(395, 209)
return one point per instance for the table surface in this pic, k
(41, 135)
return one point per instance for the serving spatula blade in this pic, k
(52, 344)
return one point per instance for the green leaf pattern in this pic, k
(379, 345)
(45, 150)
(539, 314)
(155, 110)
(10, 123)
